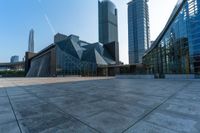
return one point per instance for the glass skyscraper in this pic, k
(108, 24)
(177, 48)
(138, 30)
(31, 41)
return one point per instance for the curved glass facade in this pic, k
(177, 49)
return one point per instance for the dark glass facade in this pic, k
(108, 24)
(177, 48)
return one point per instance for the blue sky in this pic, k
(79, 17)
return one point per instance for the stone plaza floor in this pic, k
(99, 105)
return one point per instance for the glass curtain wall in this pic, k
(194, 36)
(66, 64)
(178, 51)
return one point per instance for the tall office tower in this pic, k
(31, 41)
(138, 30)
(108, 27)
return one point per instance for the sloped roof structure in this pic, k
(84, 51)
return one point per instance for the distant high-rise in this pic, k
(138, 30)
(108, 25)
(14, 59)
(31, 41)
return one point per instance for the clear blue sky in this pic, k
(79, 17)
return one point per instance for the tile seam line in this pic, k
(23, 87)
(13, 111)
(176, 92)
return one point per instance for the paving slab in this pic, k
(53, 123)
(83, 111)
(6, 112)
(146, 127)
(6, 116)
(179, 123)
(4, 101)
(15, 91)
(10, 127)
(34, 110)
(184, 107)
(109, 122)
(2, 92)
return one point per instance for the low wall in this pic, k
(135, 76)
(166, 76)
(179, 76)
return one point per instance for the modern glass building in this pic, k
(138, 30)
(70, 56)
(177, 48)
